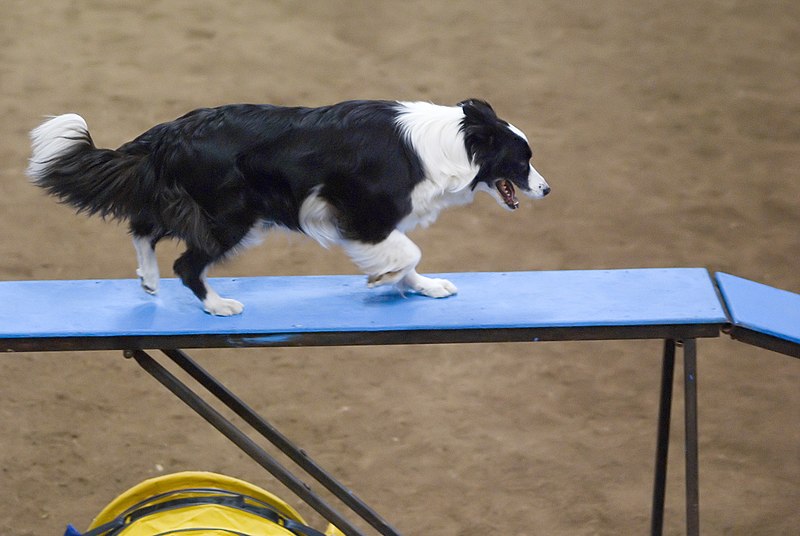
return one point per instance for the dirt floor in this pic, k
(670, 134)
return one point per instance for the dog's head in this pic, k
(502, 154)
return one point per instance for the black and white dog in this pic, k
(357, 174)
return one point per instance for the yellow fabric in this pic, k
(212, 518)
(196, 516)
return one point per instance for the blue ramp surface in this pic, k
(762, 315)
(323, 310)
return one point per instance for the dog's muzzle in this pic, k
(537, 186)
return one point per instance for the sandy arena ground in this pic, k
(670, 133)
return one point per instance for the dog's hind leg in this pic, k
(191, 267)
(147, 269)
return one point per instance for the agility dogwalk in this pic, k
(676, 305)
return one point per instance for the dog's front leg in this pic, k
(393, 261)
(385, 262)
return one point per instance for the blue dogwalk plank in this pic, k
(761, 309)
(278, 306)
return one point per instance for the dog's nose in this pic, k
(545, 190)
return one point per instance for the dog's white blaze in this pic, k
(318, 220)
(536, 183)
(52, 139)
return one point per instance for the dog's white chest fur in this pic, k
(428, 200)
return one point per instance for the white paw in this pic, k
(433, 288)
(149, 282)
(222, 306)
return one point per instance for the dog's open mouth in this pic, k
(507, 192)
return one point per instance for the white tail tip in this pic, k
(54, 138)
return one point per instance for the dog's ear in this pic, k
(479, 127)
(477, 109)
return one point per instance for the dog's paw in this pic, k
(149, 287)
(431, 287)
(149, 282)
(222, 306)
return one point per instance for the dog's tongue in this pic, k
(507, 192)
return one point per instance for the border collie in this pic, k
(357, 174)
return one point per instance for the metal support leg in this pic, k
(662, 443)
(241, 440)
(691, 445)
(269, 432)
(690, 421)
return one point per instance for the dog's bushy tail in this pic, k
(66, 163)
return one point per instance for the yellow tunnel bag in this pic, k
(199, 503)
